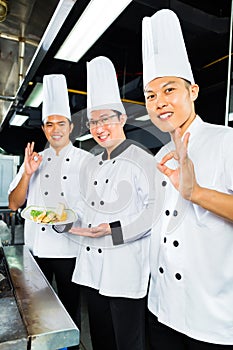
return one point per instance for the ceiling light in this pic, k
(18, 119)
(36, 96)
(143, 118)
(84, 137)
(96, 18)
(2, 151)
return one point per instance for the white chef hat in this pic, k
(102, 86)
(55, 96)
(163, 48)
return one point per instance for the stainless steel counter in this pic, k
(13, 335)
(47, 324)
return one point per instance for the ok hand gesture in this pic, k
(32, 159)
(183, 177)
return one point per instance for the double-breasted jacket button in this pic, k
(178, 276)
(114, 162)
(101, 202)
(49, 159)
(46, 193)
(175, 213)
(106, 181)
(167, 212)
(62, 194)
(99, 250)
(88, 249)
(165, 239)
(101, 162)
(93, 203)
(89, 225)
(175, 243)
(164, 183)
(64, 177)
(67, 159)
(95, 182)
(42, 228)
(161, 270)
(46, 175)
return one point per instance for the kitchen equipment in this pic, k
(32, 316)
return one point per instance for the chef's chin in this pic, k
(163, 125)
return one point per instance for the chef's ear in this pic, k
(194, 91)
(123, 118)
(71, 127)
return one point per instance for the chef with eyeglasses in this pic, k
(105, 119)
(118, 191)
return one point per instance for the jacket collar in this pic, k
(121, 148)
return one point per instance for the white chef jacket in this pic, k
(120, 192)
(56, 181)
(191, 255)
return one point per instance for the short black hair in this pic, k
(70, 122)
(187, 82)
(117, 112)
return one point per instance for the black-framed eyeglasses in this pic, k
(102, 121)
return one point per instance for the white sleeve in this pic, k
(16, 180)
(136, 225)
(227, 149)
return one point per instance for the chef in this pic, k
(191, 289)
(46, 179)
(119, 195)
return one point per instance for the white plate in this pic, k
(71, 215)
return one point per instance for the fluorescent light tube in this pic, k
(96, 18)
(36, 96)
(84, 137)
(143, 118)
(18, 119)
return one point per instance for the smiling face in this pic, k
(57, 130)
(108, 132)
(170, 103)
